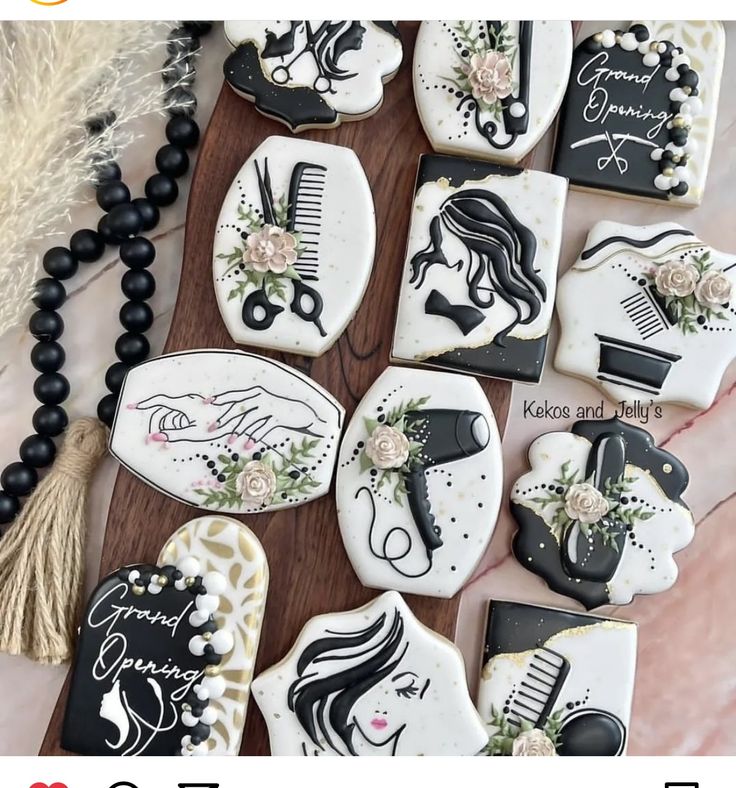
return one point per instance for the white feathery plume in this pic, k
(55, 76)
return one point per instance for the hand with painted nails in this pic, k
(252, 413)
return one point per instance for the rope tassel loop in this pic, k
(42, 555)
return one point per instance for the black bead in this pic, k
(18, 479)
(51, 388)
(115, 375)
(48, 357)
(197, 28)
(60, 263)
(50, 294)
(125, 221)
(112, 193)
(107, 171)
(87, 246)
(106, 233)
(132, 348)
(592, 46)
(688, 79)
(171, 160)
(46, 325)
(161, 189)
(679, 137)
(38, 451)
(136, 316)
(138, 285)
(181, 42)
(148, 211)
(98, 123)
(178, 70)
(183, 102)
(137, 252)
(182, 132)
(641, 32)
(50, 420)
(680, 189)
(106, 408)
(201, 730)
(9, 507)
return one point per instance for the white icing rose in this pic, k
(489, 76)
(676, 278)
(256, 483)
(585, 504)
(387, 447)
(270, 249)
(714, 289)
(533, 742)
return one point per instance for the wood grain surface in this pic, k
(310, 572)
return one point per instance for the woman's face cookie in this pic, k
(371, 681)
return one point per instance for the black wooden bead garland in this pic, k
(121, 225)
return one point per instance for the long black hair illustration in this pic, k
(500, 255)
(325, 692)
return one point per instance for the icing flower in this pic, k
(387, 447)
(585, 503)
(256, 483)
(533, 742)
(675, 278)
(270, 249)
(489, 76)
(714, 289)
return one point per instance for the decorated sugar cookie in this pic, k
(312, 74)
(600, 513)
(371, 681)
(227, 431)
(419, 481)
(640, 111)
(555, 682)
(648, 314)
(490, 89)
(294, 246)
(481, 268)
(166, 653)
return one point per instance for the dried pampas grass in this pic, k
(55, 76)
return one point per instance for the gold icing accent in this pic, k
(219, 549)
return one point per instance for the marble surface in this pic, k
(685, 697)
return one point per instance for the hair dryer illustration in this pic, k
(446, 436)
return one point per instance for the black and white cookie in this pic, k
(648, 314)
(166, 653)
(227, 431)
(490, 89)
(600, 513)
(640, 112)
(555, 682)
(481, 268)
(312, 74)
(419, 481)
(294, 246)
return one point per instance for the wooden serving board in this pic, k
(310, 571)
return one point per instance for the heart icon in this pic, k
(48, 785)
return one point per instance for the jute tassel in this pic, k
(42, 554)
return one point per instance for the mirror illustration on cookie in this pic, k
(371, 681)
(555, 682)
(600, 513)
(312, 74)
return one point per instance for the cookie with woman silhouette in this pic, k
(294, 246)
(370, 681)
(600, 513)
(166, 652)
(419, 481)
(479, 279)
(555, 682)
(227, 431)
(312, 74)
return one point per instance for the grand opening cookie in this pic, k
(481, 268)
(419, 481)
(312, 74)
(648, 314)
(600, 513)
(227, 431)
(555, 682)
(166, 652)
(490, 89)
(294, 246)
(640, 111)
(371, 681)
